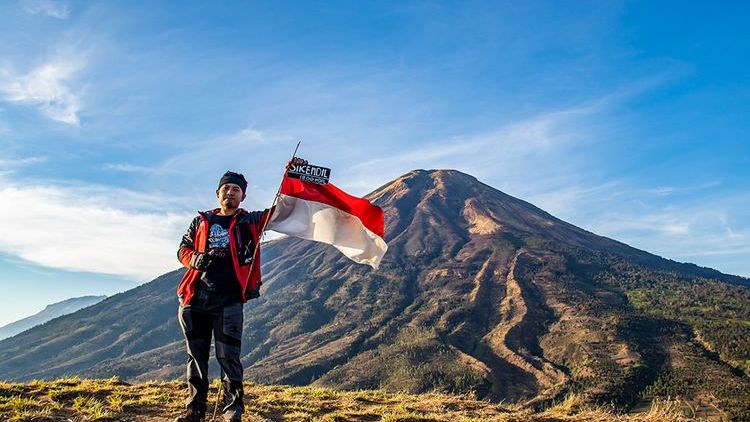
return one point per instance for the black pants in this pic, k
(226, 325)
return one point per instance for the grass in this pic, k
(92, 408)
(75, 399)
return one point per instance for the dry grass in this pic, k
(74, 399)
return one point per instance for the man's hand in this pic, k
(296, 161)
(200, 261)
(252, 293)
(204, 261)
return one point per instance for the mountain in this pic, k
(479, 292)
(50, 312)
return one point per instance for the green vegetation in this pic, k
(110, 399)
(718, 312)
(701, 325)
(418, 361)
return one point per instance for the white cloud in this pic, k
(563, 200)
(20, 162)
(217, 151)
(52, 8)
(134, 168)
(709, 232)
(660, 224)
(258, 155)
(46, 87)
(92, 229)
(671, 190)
(516, 151)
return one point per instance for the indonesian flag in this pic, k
(325, 213)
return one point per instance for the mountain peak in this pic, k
(420, 178)
(422, 184)
(449, 200)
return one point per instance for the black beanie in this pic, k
(232, 177)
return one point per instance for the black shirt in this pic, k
(219, 285)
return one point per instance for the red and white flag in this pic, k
(325, 213)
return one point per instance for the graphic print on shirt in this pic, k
(218, 237)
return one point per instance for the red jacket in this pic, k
(244, 233)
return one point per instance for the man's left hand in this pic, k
(296, 161)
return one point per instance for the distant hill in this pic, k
(50, 312)
(479, 292)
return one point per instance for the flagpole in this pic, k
(276, 197)
(270, 211)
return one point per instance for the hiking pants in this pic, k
(226, 325)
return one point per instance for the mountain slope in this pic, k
(479, 291)
(48, 313)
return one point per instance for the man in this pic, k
(223, 271)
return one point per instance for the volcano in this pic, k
(479, 292)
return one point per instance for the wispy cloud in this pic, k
(683, 190)
(535, 152)
(239, 140)
(52, 8)
(566, 200)
(47, 88)
(20, 162)
(90, 228)
(510, 152)
(689, 234)
(247, 150)
(710, 232)
(647, 225)
(134, 168)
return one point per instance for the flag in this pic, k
(325, 213)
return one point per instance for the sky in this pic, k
(117, 118)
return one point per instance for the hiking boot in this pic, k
(191, 415)
(232, 417)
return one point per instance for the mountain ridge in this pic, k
(49, 313)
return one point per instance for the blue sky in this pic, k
(117, 119)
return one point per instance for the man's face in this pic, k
(230, 195)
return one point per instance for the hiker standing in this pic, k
(223, 271)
